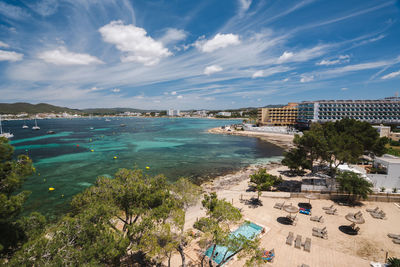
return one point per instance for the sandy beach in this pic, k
(282, 140)
(340, 249)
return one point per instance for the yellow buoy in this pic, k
(51, 188)
(115, 157)
(147, 168)
(62, 195)
(92, 150)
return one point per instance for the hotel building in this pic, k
(382, 111)
(285, 116)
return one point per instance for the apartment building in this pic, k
(284, 116)
(382, 111)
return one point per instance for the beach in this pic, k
(340, 249)
(282, 140)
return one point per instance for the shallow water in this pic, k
(174, 147)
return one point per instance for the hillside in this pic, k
(16, 108)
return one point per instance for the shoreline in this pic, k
(224, 182)
(284, 141)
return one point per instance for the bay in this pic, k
(83, 149)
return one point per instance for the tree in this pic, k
(354, 185)
(334, 143)
(263, 181)
(13, 173)
(296, 160)
(394, 262)
(221, 214)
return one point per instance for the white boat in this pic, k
(6, 135)
(25, 126)
(108, 120)
(35, 127)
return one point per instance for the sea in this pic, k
(83, 149)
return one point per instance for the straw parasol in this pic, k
(355, 219)
(310, 196)
(291, 209)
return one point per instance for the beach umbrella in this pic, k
(310, 196)
(355, 219)
(290, 208)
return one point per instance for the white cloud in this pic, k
(212, 69)
(244, 4)
(344, 89)
(134, 42)
(179, 96)
(173, 93)
(3, 44)
(285, 80)
(258, 74)
(303, 55)
(116, 90)
(305, 78)
(270, 71)
(391, 75)
(285, 57)
(172, 36)
(357, 67)
(61, 56)
(219, 41)
(95, 88)
(10, 56)
(341, 59)
(13, 12)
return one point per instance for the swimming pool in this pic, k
(249, 230)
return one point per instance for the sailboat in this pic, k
(6, 135)
(25, 126)
(35, 127)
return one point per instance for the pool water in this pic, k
(249, 230)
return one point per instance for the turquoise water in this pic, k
(174, 147)
(249, 230)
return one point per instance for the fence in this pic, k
(383, 197)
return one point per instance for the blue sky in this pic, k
(183, 54)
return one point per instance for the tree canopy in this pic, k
(130, 218)
(13, 173)
(354, 185)
(220, 215)
(263, 181)
(334, 143)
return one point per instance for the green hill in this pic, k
(16, 108)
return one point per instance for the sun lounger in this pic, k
(378, 215)
(303, 265)
(331, 212)
(319, 230)
(279, 206)
(319, 234)
(352, 225)
(289, 239)
(357, 229)
(297, 242)
(307, 244)
(317, 219)
(373, 210)
(396, 241)
(359, 213)
(328, 208)
(394, 236)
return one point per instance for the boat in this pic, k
(5, 134)
(122, 125)
(51, 132)
(25, 126)
(35, 127)
(108, 120)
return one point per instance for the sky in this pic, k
(185, 54)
